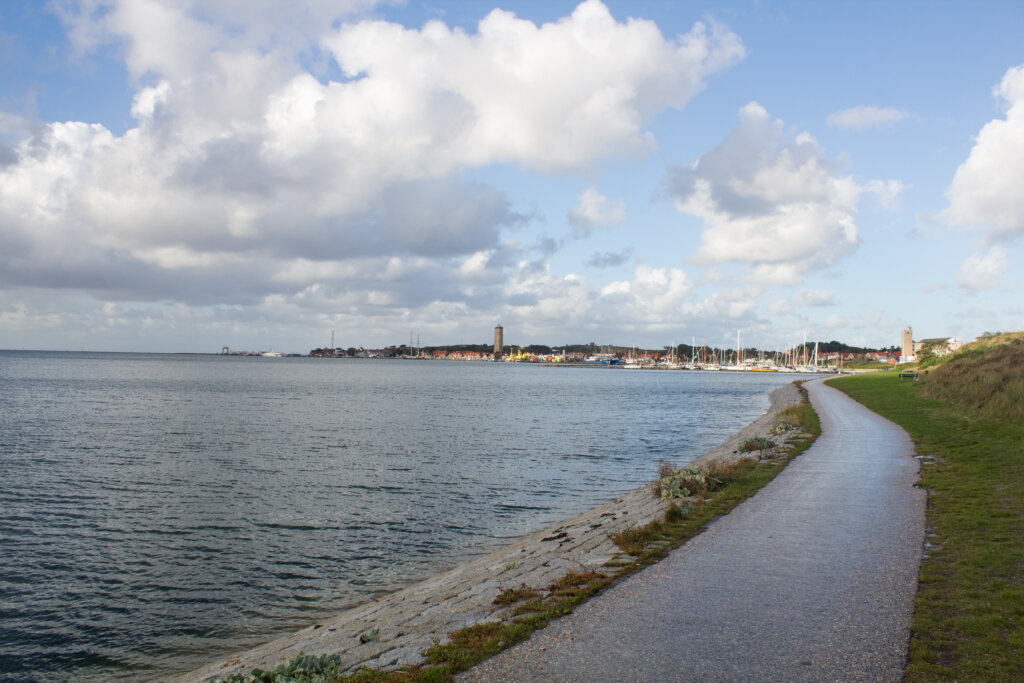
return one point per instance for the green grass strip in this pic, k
(969, 611)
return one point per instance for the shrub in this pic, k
(758, 443)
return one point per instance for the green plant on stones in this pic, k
(687, 481)
(302, 669)
(369, 635)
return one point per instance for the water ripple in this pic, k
(159, 511)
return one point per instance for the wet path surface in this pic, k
(812, 579)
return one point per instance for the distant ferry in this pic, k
(272, 354)
(601, 359)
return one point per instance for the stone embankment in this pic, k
(396, 629)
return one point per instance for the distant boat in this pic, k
(601, 359)
(272, 354)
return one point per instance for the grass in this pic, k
(509, 596)
(726, 485)
(965, 422)
(983, 382)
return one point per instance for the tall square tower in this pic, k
(499, 340)
(907, 346)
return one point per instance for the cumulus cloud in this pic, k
(594, 210)
(251, 176)
(656, 292)
(986, 190)
(549, 97)
(859, 118)
(982, 271)
(770, 201)
(645, 308)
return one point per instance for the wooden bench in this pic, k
(908, 375)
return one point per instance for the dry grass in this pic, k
(573, 579)
(635, 539)
(674, 513)
(985, 379)
(792, 417)
(509, 596)
(730, 471)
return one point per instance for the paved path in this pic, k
(812, 579)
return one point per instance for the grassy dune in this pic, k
(965, 417)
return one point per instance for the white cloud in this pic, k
(251, 178)
(178, 38)
(547, 97)
(769, 201)
(887, 191)
(986, 190)
(982, 271)
(654, 294)
(594, 210)
(804, 298)
(814, 298)
(859, 118)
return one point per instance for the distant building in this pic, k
(499, 340)
(938, 346)
(907, 346)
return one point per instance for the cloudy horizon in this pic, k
(182, 176)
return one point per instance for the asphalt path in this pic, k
(812, 579)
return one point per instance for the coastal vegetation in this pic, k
(965, 414)
(725, 485)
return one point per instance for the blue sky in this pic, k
(184, 175)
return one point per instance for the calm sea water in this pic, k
(157, 511)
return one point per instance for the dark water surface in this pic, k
(157, 511)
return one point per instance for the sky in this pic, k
(183, 175)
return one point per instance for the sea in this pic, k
(158, 511)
